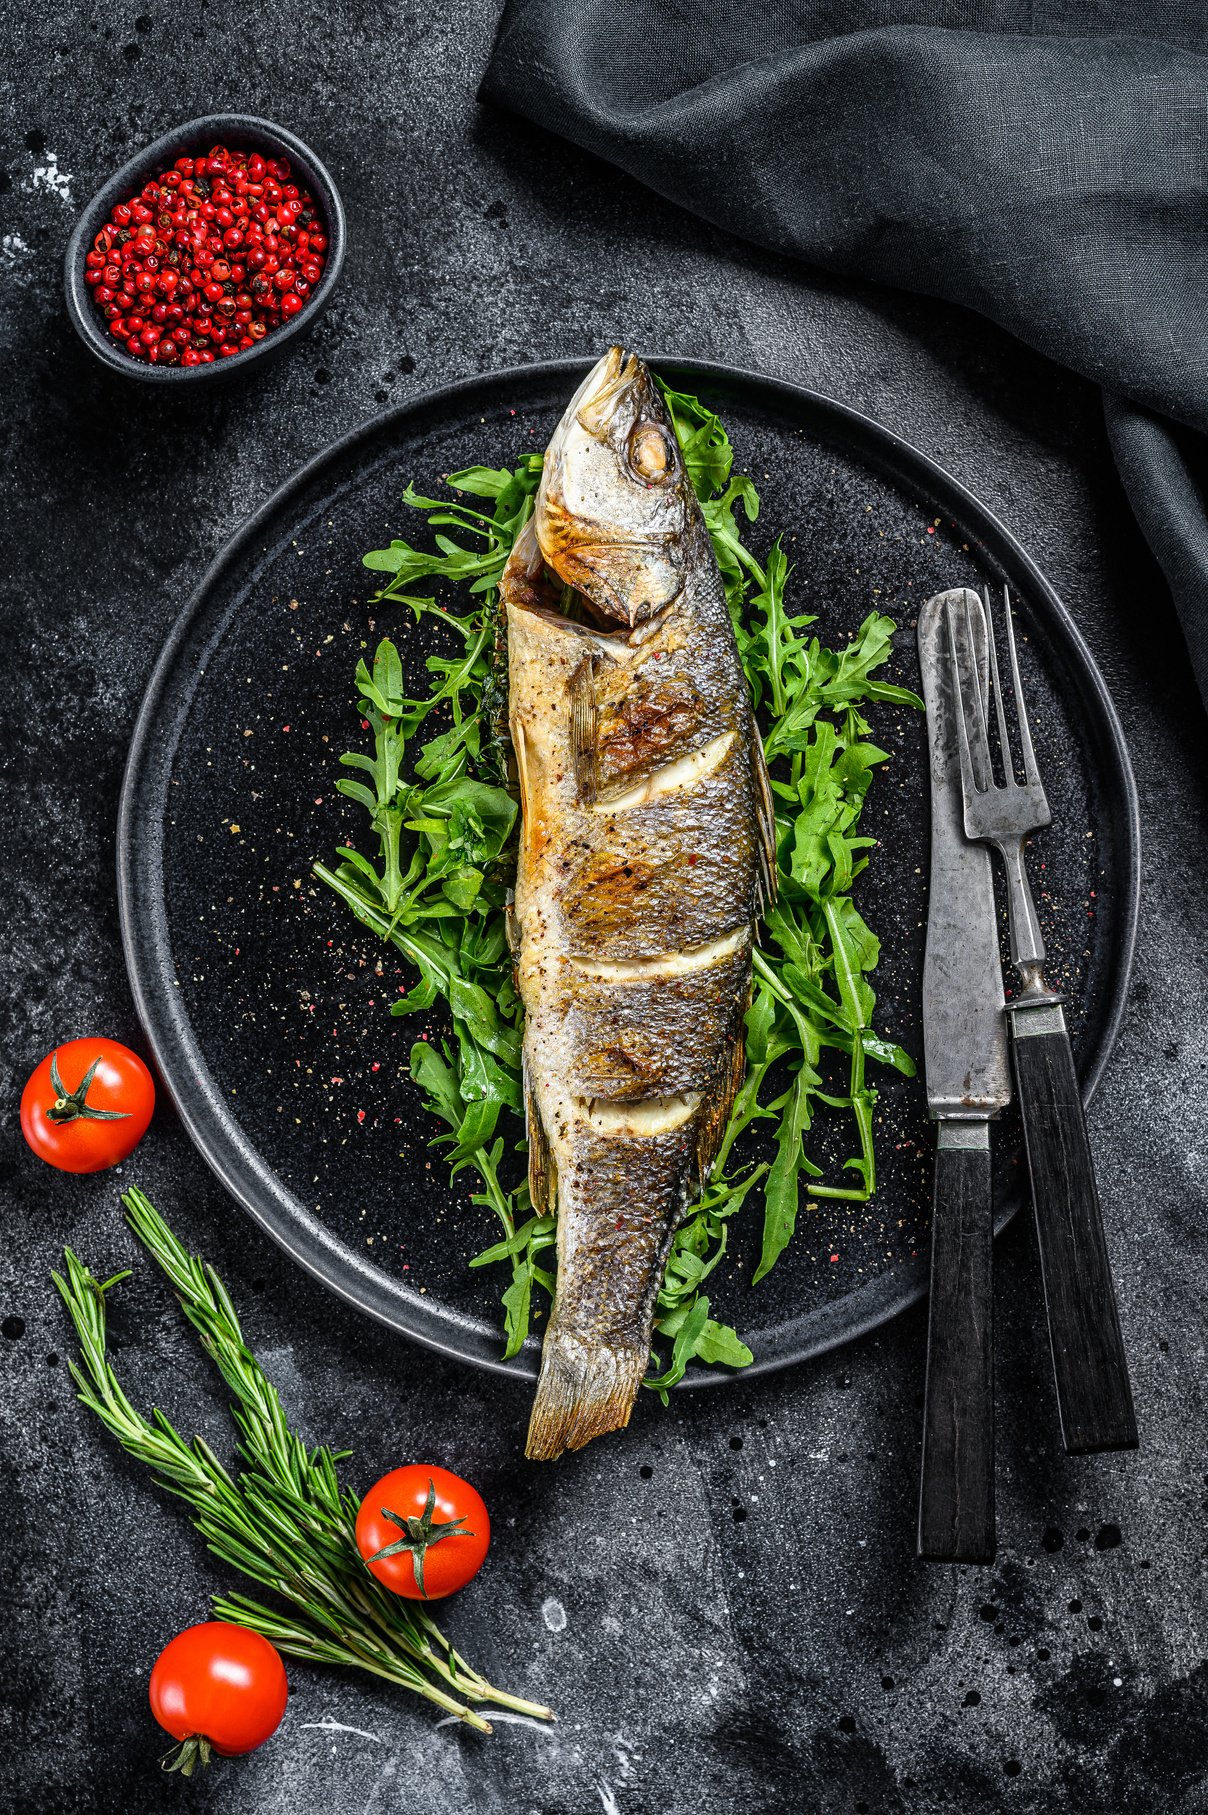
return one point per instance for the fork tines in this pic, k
(1009, 800)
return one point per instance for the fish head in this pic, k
(615, 502)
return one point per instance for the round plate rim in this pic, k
(337, 1268)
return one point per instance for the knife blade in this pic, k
(968, 1077)
(965, 1049)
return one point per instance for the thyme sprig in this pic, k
(282, 1517)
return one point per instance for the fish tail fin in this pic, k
(585, 1390)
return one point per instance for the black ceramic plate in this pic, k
(266, 1004)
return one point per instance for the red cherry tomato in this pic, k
(87, 1105)
(423, 1532)
(217, 1688)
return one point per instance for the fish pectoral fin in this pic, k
(585, 727)
(523, 782)
(765, 814)
(585, 1389)
(542, 1167)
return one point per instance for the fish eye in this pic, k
(650, 453)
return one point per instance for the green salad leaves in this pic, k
(445, 829)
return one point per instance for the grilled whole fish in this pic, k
(646, 842)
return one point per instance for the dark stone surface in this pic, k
(794, 1657)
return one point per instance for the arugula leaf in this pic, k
(687, 1327)
(781, 1196)
(704, 443)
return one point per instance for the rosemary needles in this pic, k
(282, 1518)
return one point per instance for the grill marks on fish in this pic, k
(641, 727)
(639, 771)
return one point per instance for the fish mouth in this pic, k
(594, 403)
(598, 398)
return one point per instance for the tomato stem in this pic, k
(191, 1752)
(72, 1105)
(420, 1534)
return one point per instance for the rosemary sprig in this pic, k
(282, 1518)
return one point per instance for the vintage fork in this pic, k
(1089, 1365)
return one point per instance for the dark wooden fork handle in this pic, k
(1089, 1364)
(956, 1497)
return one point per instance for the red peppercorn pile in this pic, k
(207, 259)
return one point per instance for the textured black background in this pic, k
(798, 1656)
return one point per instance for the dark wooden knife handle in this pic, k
(1089, 1364)
(956, 1497)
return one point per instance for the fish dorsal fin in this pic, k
(542, 1167)
(585, 727)
(765, 814)
(719, 1101)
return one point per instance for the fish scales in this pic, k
(644, 839)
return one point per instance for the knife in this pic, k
(968, 1084)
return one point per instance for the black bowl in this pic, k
(240, 132)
